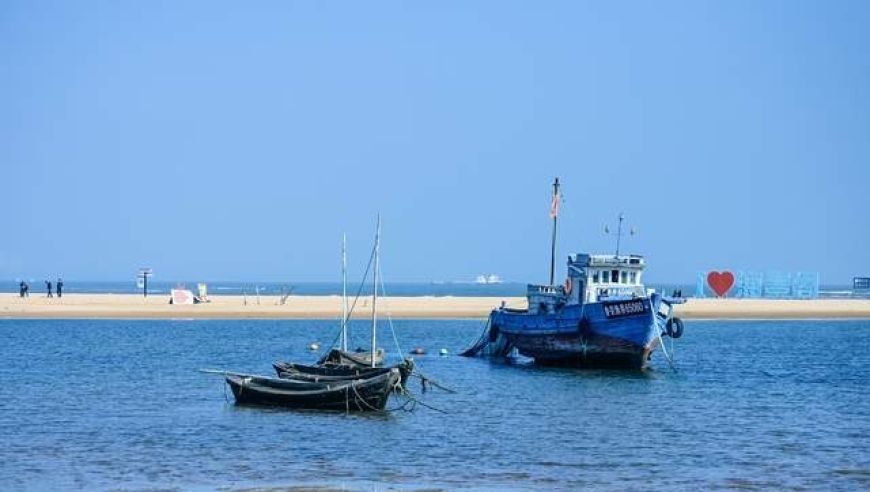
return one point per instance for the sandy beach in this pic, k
(328, 307)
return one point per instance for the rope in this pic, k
(430, 407)
(662, 342)
(390, 318)
(480, 344)
(359, 399)
(434, 383)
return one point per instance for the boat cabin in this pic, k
(591, 278)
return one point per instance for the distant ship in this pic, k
(488, 279)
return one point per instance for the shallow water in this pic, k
(120, 405)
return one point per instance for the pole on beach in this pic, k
(144, 273)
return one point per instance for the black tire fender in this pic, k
(674, 327)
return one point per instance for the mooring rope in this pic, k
(662, 342)
(481, 342)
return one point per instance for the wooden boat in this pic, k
(319, 373)
(602, 317)
(357, 394)
(355, 359)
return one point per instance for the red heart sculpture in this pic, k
(720, 282)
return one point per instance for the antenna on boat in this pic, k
(554, 213)
(618, 231)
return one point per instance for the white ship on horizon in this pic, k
(488, 279)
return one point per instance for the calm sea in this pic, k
(108, 405)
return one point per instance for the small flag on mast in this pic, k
(554, 208)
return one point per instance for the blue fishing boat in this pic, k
(601, 317)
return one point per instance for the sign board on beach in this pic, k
(142, 279)
(181, 296)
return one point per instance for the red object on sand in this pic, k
(720, 282)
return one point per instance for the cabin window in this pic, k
(623, 277)
(632, 277)
(595, 276)
(605, 277)
(614, 275)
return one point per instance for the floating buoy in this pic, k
(314, 346)
(418, 351)
(443, 352)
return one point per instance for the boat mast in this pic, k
(554, 213)
(344, 292)
(375, 290)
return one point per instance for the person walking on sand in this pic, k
(48, 287)
(21, 288)
(59, 286)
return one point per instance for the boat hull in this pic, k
(361, 359)
(356, 395)
(338, 373)
(614, 334)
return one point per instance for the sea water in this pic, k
(120, 405)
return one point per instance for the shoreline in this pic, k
(132, 306)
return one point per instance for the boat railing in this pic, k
(552, 290)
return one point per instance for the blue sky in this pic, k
(240, 140)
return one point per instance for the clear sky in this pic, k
(234, 140)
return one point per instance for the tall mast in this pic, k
(554, 213)
(344, 292)
(375, 290)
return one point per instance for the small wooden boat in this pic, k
(357, 359)
(357, 394)
(292, 370)
(331, 372)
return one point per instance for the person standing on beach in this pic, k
(48, 287)
(59, 287)
(21, 288)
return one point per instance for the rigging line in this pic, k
(356, 298)
(390, 318)
(361, 284)
(417, 372)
